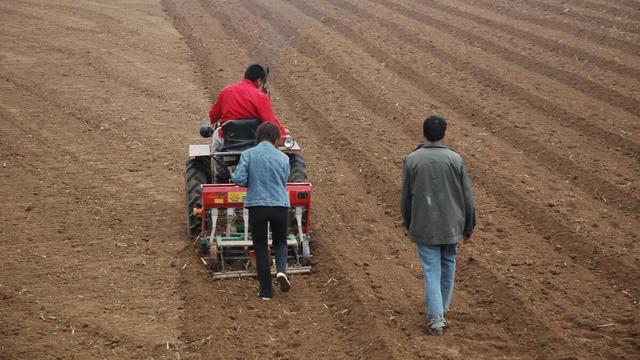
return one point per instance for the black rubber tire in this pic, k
(197, 172)
(297, 169)
(219, 175)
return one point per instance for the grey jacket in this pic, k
(437, 201)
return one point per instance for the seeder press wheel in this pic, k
(306, 252)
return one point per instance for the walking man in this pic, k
(438, 211)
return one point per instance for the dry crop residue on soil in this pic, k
(101, 99)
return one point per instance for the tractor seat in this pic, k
(240, 134)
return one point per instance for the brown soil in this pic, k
(101, 98)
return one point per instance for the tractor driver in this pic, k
(243, 100)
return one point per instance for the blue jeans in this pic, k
(439, 269)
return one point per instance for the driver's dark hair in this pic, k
(255, 72)
(269, 132)
(434, 127)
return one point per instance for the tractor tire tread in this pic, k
(297, 169)
(197, 172)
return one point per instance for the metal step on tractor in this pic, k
(217, 220)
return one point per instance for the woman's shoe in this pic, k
(283, 281)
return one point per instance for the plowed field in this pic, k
(99, 100)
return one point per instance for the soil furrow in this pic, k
(498, 122)
(632, 4)
(97, 126)
(575, 81)
(604, 8)
(566, 9)
(544, 224)
(583, 31)
(350, 325)
(508, 89)
(286, 31)
(112, 337)
(42, 18)
(513, 136)
(100, 18)
(513, 318)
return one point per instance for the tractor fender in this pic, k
(199, 150)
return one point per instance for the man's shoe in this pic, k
(283, 281)
(435, 331)
(436, 327)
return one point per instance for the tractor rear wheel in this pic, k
(197, 172)
(297, 169)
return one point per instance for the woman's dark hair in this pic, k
(434, 127)
(269, 132)
(255, 72)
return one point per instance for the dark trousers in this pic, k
(278, 217)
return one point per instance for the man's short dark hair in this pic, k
(268, 131)
(255, 72)
(434, 127)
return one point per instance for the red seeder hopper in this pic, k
(217, 220)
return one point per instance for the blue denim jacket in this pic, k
(264, 171)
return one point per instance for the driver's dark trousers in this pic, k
(278, 218)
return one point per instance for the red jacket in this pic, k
(243, 100)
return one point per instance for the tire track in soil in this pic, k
(262, 16)
(516, 138)
(535, 216)
(350, 329)
(309, 310)
(584, 32)
(577, 82)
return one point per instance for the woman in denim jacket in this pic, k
(264, 171)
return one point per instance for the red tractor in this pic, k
(217, 220)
